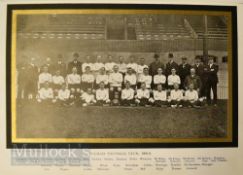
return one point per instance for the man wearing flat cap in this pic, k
(153, 67)
(75, 63)
(171, 64)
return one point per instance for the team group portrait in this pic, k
(126, 84)
(121, 76)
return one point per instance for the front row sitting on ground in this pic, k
(128, 96)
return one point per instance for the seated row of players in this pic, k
(128, 97)
(114, 81)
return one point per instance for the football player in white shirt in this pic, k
(176, 96)
(159, 78)
(159, 97)
(173, 78)
(143, 95)
(63, 97)
(98, 64)
(131, 78)
(57, 80)
(87, 79)
(73, 82)
(88, 62)
(115, 80)
(127, 95)
(145, 78)
(109, 65)
(132, 64)
(102, 77)
(102, 95)
(122, 66)
(88, 98)
(45, 76)
(45, 94)
(191, 98)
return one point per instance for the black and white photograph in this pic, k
(121, 76)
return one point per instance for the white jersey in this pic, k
(191, 95)
(172, 79)
(45, 94)
(159, 79)
(58, 79)
(73, 79)
(134, 66)
(132, 79)
(63, 94)
(141, 68)
(143, 93)
(102, 78)
(176, 94)
(45, 77)
(127, 94)
(88, 98)
(88, 78)
(102, 94)
(115, 79)
(109, 66)
(84, 65)
(147, 79)
(122, 67)
(98, 66)
(160, 95)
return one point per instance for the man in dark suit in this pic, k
(60, 65)
(153, 67)
(171, 64)
(201, 71)
(21, 80)
(212, 70)
(75, 63)
(31, 79)
(193, 79)
(184, 71)
(199, 67)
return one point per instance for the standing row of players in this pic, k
(78, 77)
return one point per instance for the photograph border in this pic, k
(232, 117)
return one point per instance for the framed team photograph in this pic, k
(121, 76)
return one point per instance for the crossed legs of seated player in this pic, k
(102, 102)
(64, 102)
(176, 103)
(126, 102)
(188, 103)
(159, 103)
(45, 101)
(143, 102)
(197, 103)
